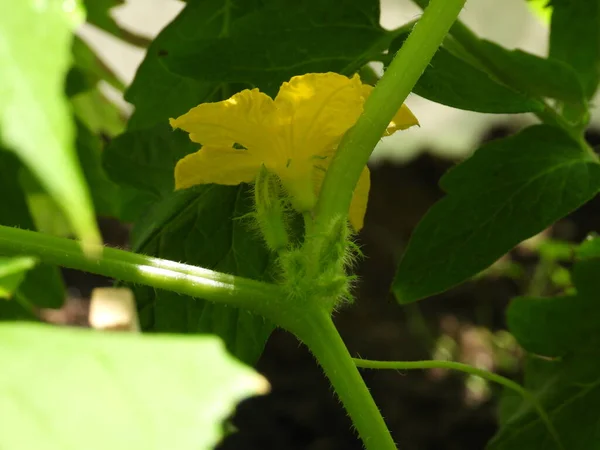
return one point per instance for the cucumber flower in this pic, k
(293, 136)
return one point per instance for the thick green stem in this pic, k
(383, 103)
(319, 334)
(485, 374)
(159, 273)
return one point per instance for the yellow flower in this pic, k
(293, 136)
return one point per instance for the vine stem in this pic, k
(135, 268)
(461, 367)
(381, 106)
(317, 331)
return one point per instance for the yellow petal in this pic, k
(247, 118)
(216, 165)
(320, 108)
(403, 119)
(360, 197)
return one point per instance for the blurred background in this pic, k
(425, 410)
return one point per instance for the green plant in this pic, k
(264, 250)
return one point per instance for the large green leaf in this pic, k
(541, 77)
(202, 226)
(508, 191)
(575, 38)
(145, 159)
(43, 285)
(65, 389)
(453, 81)
(205, 226)
(12, 273)
(285, 39)
(157, 93)
(34, 119)
(568, 386)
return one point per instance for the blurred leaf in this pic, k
(12, 273)
(575, 38)
(540, 9)
(99, 14)
(589, 249)
(454, 82)
(105, 193)
(34, 118)
(508, 191)
(204, 226)
(99, 114)
(66, 388)
(43, 285)
(275, 43)
(568, 387)
(541, 77)
(90, 64)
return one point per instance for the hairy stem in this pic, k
(385, 100)
(485, 374)
(319, 334)
(135, 268)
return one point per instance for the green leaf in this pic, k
(589, 249)
(275, 43)
(43, 285)
(64, 388)
(568, 386)
(204, 226)
(454, 82)
(12, 273)
(145, 159)
(508, 191)
(192, 226)
(34, 118)
(98, 14)
(105, 193)
(98, 113)
(541, 77)
(575, 38)
(157, 93)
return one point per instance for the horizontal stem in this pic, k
(135, 268)
(485, 374)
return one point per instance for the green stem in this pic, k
(485, 374)
(135, 268)
(383, 103)
(319, 334)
